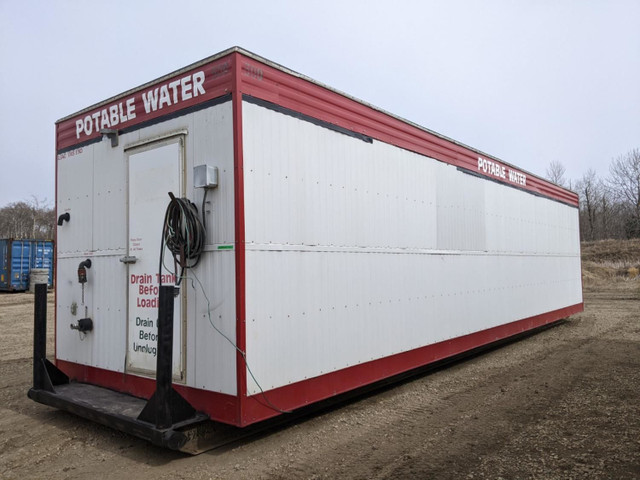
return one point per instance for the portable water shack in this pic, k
(18, 257)
(288, 243)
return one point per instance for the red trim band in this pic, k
(219, 406)
(238, 172)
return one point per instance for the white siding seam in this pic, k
(395, 251)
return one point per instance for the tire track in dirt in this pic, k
(512, 418)
(490, 410)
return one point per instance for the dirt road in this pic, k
(564, 403)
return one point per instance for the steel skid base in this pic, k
(120, 412)
(166, 419)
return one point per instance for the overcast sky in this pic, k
(529, 82)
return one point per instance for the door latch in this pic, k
(129, 259)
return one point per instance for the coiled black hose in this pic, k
(183, 234)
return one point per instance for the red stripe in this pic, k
(241, 372)
(55, 261)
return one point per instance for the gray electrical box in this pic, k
(205, 176)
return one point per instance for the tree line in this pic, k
(609, 207)
(28, 219)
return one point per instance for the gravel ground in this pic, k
(560, 404)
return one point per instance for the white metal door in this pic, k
(154, 170)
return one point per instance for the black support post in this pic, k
(40, 381)
(165, 356)
(45, 374)
(166, 407)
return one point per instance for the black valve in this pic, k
(82, 270)
(65, 217)
(84, 325)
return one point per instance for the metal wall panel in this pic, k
(110, 179)
(461, 207)
(105, 302)
(211, 358)
(357, 251)
(322, 311)
(75, 196)
(213, 367)
(93, 185)
(349, 193)
(70, 345)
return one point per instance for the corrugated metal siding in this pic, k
(210, 141)
(15, 264)
(42, 257)
(110, 180)
(70, 345)
(18, 257)
(461, 223)
(357, 251)
(347, 183)
(105, 299)
(311, 313)
(211, 359)
(75, 195)
(92, 188)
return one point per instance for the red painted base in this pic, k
(219, 406)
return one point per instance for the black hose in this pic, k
(183, 234)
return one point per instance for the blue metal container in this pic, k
(18, 257)
(42, 257)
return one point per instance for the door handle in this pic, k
(129, 259)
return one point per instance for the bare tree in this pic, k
(624, 182)
(555, 173)
(588, 189)
(34, 219)
(610, 223)
(605, 205)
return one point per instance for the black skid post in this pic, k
(45, 374)
(165, 356)
(166, 407)
(40, 338)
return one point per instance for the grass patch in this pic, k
(608, 261)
